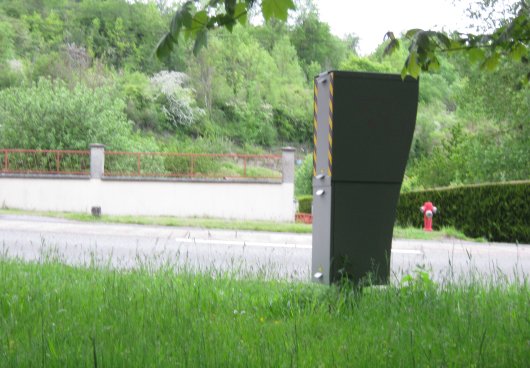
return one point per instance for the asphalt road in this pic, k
(246, 253)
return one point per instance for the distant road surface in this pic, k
(33, 238)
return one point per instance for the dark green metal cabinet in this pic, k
(364, 123)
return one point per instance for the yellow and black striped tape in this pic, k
(315, 128)
(330, 122)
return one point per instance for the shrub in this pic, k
(12, 74)
(303, 177)
(128, 164)
(250, 123)
(178, 100)
(49, 115)
(305, 203)
(470, 158)
(499, 211)
(140, 96)
(201, 165)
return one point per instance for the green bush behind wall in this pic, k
(304, 203)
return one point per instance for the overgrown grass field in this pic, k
(52, 315)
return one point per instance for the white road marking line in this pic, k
(240, 243)
(407, 251)
(264, 244)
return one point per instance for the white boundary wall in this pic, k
(242, 200)
(229, 200)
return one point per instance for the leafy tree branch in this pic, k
(510, 39)
(194, 20)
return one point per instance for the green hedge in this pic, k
(304, 203)
(498, 212)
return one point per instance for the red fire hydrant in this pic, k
(428, 211)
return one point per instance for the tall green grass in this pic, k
(52, 315)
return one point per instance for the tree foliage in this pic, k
(510, 39)
(315, 44)
(48, 115)
(194, 20)
(259, 95)
(179, 104)
(76, 71)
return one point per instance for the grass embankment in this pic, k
(210, 223)
(56, 315)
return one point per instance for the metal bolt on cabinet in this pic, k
(363, 128)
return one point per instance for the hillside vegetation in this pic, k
(77, 72)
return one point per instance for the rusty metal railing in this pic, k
(192, 165)
(142, 164)
(29, 161)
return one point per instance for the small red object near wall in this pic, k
(428, 211)
(305, 218)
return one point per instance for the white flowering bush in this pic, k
(179, 104)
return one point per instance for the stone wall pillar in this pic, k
(97, 160)
(288, 164)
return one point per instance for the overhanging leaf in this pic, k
(223, 20)
(165, 46)
(413, 67)
(276, 8)
(199, 21)
(444, 40)
(181, 18)
(200, 41)
(187, 17)
(389, 35)
(404, 72)
(412, 32)
(229, 22)
(423, 41)
(518, 51)
(176, 24)
(392, 46)
(475, 55)
(230, 7)
(491, 63)
(434, 64)
(241, 13)
(455, 44)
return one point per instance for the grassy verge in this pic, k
(56, 315)
(206, 223)
(441, 234)
(209, 223)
